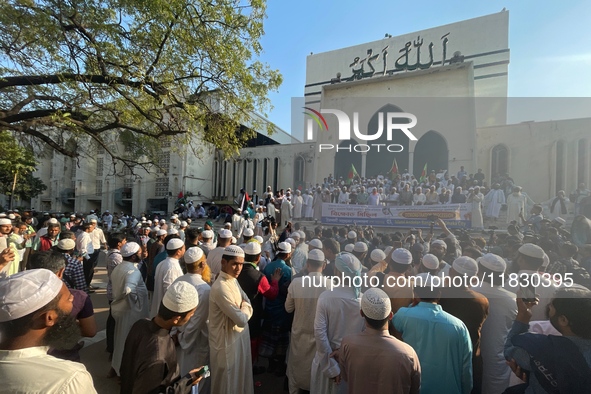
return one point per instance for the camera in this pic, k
(432, 218)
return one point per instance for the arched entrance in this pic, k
(431, 149)
(344, 158)
(377, 163)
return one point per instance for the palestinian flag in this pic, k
(352, 173)
(394, 169)
(423, 177)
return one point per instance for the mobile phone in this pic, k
(203, 370)
(528, 293)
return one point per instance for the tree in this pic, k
(17, 164)
(134, 72)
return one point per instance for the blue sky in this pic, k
(550, 41)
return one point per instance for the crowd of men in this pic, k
(333, 309)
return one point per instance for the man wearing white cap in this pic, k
(86, 250)
(9, 254)
(107, 220)
(351, 239)
(300, 254)
(367, 354)
(467, 305)
(276, 324)
(206, 243)
(501, 313)
(378, 258)
(237, 221)
(441, 340)
(256, 286)
(438, 248)
(530, 259)
(337, 315)
(149, 362)
(167, 272)
(34, 316)
(214, 258)
(193, 338)
(302, 298)
(229, 338)
(130, 298)
(399, 290)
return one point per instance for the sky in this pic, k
(550, 41)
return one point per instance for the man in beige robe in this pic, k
(302, 297)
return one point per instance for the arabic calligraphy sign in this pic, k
(404, 61)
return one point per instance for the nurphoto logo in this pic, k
(394, 121)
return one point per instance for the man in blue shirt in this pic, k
(441, 341)
(277, 322)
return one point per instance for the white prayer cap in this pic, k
(138, 225)
(181, 297)
(160, 233)
(93, 220)
(234, 250)
(184, 224)
(173, 231)
(493, 262)
(26, 292)
(291, 241)
(228, 225)
(402, 256)
(351, 235)
(193, 255)
(148, 221)
(259, 239)
(162, 221)
(53, 221)
(156, 228)
(377, 255)
(360, 247)
(546, 260)
(349, 248)
(129, 249)
(248, 232)
(72, 216)
(66, 244)
(5, 222)
(375, 304)
(388, 250)
(234, 240)
(207, 234)
(284, 247)
(316, 255)
(302, 234)
(175, 243)
(143, 218)
(174, 217)
(225, 233)
(560, 220)
(11, 216)
(532, 250)
(439, 242)
(295, 235)
(252, 248)
(465, 265)
(430, 261)
(348, 263)
(425, 280)
(315, 243)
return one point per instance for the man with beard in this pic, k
(560, 363)
(35, 316)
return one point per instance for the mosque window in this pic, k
(100, 163)
(582, 164)
(560, 165)
(99, 187)
(255, 168)
(500, 161)
(265, 169)
(298, 170)
(276, 174)
(162, 187)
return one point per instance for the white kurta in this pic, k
(130, 304)
(337, 315)
(299, 258)
(298, 203)
(501, 313)
(166, 273)
(229, 337)
(493, 201)
(309, 210)
(193, 337)
(515, 205)
(286, 211)
(302, 345)
(476, 201)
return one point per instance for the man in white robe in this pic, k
(193, 338)
(130, 298)
(493, 201)
(229, 337)
(317, 205)
(286, 208)
(302, 297)
(167, 272)
(337, 315)
(476, 198)
(300, 254)
(516, 204)
(309, 208)
(298, 203)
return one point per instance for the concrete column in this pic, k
(411, 156)
(363, 163)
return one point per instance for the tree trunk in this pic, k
(13, 189)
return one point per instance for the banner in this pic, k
(401, 216)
